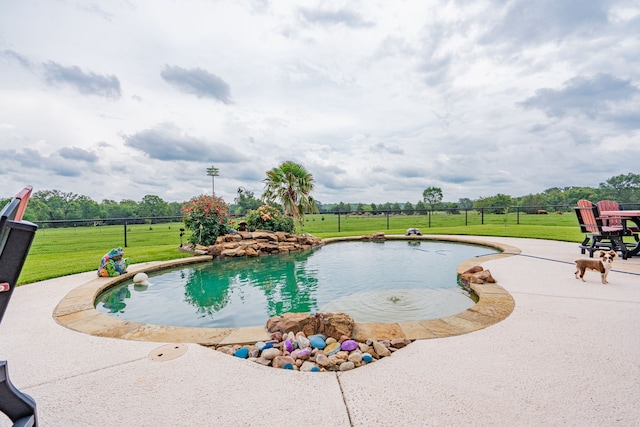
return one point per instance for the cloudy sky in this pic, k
(377, 99)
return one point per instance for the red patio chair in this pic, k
(610, 205)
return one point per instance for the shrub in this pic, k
(207, 217)
(269, 218)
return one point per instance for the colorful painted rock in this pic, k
(332, 348)
(317, 342)
(349, 345)
(303, 353)
(367, 358)
(242, 353)
(260, 345)
(288, 345)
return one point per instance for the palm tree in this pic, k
(291, 184)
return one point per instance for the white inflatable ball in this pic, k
(141, 279)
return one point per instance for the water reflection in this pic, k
(204, 292)
(284, 281)
(114, 301)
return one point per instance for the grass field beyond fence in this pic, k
(62, 251)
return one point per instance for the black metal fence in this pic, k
(157, 228)
(466, 217)
(173, 226)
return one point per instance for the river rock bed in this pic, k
(314, 353)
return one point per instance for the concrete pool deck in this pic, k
(568, 354)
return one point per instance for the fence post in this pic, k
(466, 217)
(387, 214)
(125, 233)
(429, 216)
(482, 212)
(518, 215)
(338, 222)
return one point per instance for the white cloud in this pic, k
(378, 100)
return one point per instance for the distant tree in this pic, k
(408, 209)
(360, 208)
(501, 201)
(621, 188)
(396, 207)
(499, 204)
(55, 203)
(465, 204)
(555, 196)
(111, 208)
(246, 202)
(573, 194)
(451, 208)
(128, 208)
(432, 196)
(175, 209)
(87, 208)
(343, 207)
(374, 208)
(533, 202)
(152, 206)
(421, 208)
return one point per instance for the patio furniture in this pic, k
(615, 220)
(597, 235)
(16, 237)
(624, 217)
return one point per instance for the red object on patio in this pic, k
(16, 237)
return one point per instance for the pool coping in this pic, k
(76, 310)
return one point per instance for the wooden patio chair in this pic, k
(611, 205)
(16, 237)
(599, 236)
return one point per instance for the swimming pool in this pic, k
(384, 282)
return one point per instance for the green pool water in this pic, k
(390, 281)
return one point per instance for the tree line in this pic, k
(51, 205)
(624, 189)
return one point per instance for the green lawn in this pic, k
(59, 252)
(62, 251)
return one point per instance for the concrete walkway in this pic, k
(569, 354)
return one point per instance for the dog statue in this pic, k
(603, 265)
(414, 231)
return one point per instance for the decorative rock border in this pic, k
(77, 311)
(256, 243)
(315, 353)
